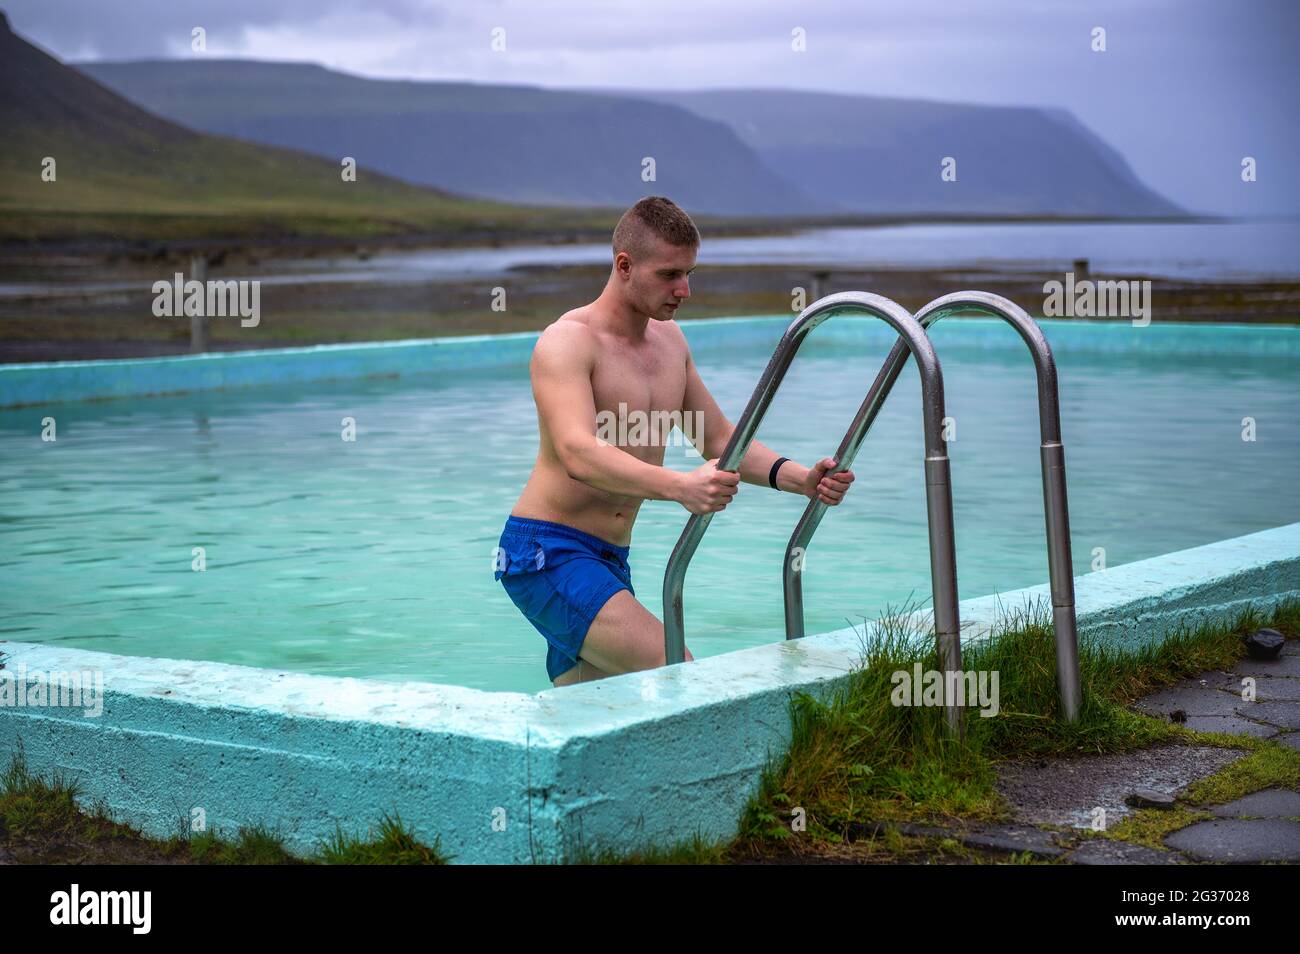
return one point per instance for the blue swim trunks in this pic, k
(559, 577)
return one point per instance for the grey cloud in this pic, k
(137, 29)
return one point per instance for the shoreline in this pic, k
(121, 324)
(114, 247)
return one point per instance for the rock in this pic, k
(1265, 644)
(1149, 798)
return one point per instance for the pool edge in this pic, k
(644, 758)
(36, 384)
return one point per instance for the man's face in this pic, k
(660, 283)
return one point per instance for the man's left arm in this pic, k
(709, 430)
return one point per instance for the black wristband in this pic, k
(771, 478)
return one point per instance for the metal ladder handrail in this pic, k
(943, 560)
(1055, 505)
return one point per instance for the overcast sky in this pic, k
(1184, 90)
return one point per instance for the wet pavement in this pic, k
(1057, 803)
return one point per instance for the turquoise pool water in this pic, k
(373, 557)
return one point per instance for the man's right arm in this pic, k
(561, 367)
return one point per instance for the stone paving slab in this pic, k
(1286, 665)
(1216, 679)
(1233, 725)
(1108, 851)
(1191, 698)
(1277, 689)
(1267, 688)
(1239, 840)
(1009, 838)
(1269, 803)
(1286, 715)
(1067, 791)
(1013, 838)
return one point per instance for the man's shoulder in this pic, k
(576, 316)
(566, 339)
(570, 326)
(678, 337)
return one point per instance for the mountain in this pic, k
(882, 155)
(122, 172)
(743, 151)
(508, 143)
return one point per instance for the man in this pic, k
(562, 556)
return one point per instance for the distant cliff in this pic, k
(735, 152)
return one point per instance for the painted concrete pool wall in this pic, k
(633, 760)
(64, 381)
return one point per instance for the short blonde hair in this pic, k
(658, 216)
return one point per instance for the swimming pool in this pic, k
(373, 557)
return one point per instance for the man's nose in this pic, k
(684, 289)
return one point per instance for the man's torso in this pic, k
(649, 377)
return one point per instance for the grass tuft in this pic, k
(855, 757)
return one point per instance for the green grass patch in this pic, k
(392, 844)
(856, 757)
(1271, 765)
(695, 850)
(41, 822)
(1149, 826)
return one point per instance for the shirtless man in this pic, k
(562, 556)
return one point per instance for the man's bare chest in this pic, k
(631, 387)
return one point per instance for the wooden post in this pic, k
(817, 279)
(200, 337)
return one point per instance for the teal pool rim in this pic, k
(61, 382)
(623, 760)
(620, 760)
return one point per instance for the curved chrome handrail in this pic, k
(943, 560)
(1056, 509)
